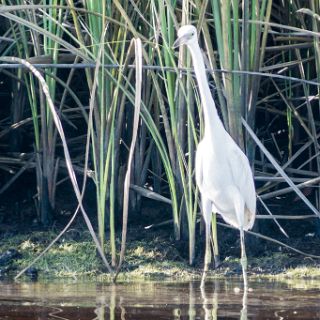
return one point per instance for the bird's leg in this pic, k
(207, 215)
(240, 212)
(244, 261)
(207, 256)
(215, 241)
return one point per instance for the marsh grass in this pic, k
(241, 36)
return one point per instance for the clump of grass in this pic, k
(67, 258)
(164, 269)
(303, 272)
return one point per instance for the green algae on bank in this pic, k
(75, 256)
(302, 272)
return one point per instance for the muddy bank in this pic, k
(149, 256)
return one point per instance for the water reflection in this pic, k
(244, 311)
(159, 300)
(210, 307)
(192, 303)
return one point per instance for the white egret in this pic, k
(223, 172)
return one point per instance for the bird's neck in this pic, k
(213, 124)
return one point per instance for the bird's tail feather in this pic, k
(249, 219)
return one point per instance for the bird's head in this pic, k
(186, 35)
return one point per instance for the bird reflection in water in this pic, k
(196, 303)
(211, 305)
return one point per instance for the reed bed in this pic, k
(263, 61)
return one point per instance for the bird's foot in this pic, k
(203, 279)
(244, 263)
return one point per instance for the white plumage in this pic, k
(223, 172)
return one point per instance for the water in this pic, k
(160, 300)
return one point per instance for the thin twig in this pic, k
(159, 68)
(138, 55)
(286, 217)
(272, 216)
(150, 194)
(290, 189)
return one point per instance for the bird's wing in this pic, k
(243, 179)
